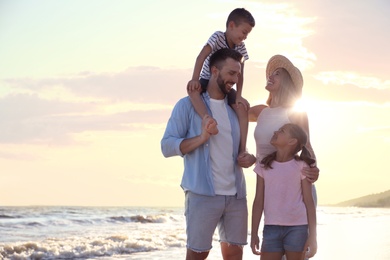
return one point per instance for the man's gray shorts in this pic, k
(205, 213)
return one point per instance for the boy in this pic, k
(238, 25)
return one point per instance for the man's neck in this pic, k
(214, 91)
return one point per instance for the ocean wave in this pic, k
(88, 247)
(142, 218)
(35, 224)
(3, 216)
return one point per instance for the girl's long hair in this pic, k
(296, 132)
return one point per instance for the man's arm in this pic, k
(174, 141)
(190, 144)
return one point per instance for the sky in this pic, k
(87, 87)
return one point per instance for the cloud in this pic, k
(351, 87)
(281, 29)
(345, 77)
(347, 92)
(51, 110)
(19, 156)
(136, 84)
(345, 40)
(383, 130)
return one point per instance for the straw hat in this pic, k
(280, 61)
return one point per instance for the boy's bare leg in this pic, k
(200, 107)
(242, 115)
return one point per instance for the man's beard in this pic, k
(222, 85)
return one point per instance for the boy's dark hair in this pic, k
(298, 133)
(239, 16)
(221, 55)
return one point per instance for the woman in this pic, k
(284, 83)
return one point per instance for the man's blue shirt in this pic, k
(186, 123)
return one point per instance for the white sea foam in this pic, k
(158, 233)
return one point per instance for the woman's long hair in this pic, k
(298, 133)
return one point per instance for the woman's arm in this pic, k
(301, 119)
(254, 112)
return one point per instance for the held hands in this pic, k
(246, 159)
(311, 173)
(194, 85)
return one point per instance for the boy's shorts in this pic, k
(205, 213)
(284, 238)
(231, 96)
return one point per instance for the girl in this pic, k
(285, 196)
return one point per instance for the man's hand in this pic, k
(246, 159)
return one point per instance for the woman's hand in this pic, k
(311, 173)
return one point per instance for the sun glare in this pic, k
(301, 105)
(313, 108)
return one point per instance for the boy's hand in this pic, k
(242, 101)
(194, 85)
(210, 125)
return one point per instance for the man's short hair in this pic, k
(221, 55)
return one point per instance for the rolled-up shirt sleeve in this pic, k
(176, 130)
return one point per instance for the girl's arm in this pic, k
(311, 242)
(257, 211)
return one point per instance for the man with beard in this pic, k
(213, 181)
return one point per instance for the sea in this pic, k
(108, 233)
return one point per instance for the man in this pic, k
(213, 181)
